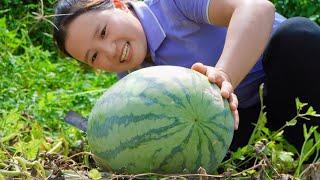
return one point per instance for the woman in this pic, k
(237, 44)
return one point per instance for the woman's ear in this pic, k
(120, 5)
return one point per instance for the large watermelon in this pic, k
(163, 119)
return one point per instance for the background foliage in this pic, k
(38, 86)
(305, 8)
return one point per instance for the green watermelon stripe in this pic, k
(213, 158)
(216, 116)
(144, 138)
(219, 137)
(155, 153)
(183, 88)
(147, 100)
(187, 95)
(162, 88)
(199, 146)
(177, 149)
(128, 119)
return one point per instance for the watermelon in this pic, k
(162, 119)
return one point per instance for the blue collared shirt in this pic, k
(179, 33)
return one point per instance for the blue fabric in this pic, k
(178, 33)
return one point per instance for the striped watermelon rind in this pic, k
(163, 119)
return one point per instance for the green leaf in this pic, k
(279, 134)
(2, 156)
(3, 23)
(37, 131)
(311, 130)
(251, 172)
(286, 156)
(239, 154)
(292, 122)
(94, 174)
(299, 104)
(29, 149)
(305, 132)
(317, 139)
(314, 17)
(307, 147)
(13, 116)
(265, 130)
(311, 111)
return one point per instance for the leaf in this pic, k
(307, 147)
(286, 156)
(13, 116)
(36, 131)
(2, 156)
(305, 132)
(94, 174)
(251, 172)
(29, 149)
(239, 154)
(266, 131)
(317, 139)
(32, 149)
(291, 148)
(3, 23)
(311, 111)
(279, 135)
(299, 104)
(314, 17)
(311, 130)
(292, 122)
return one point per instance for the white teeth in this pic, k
(125, 53)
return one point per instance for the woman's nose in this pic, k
(109, 49)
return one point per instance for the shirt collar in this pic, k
(151, 26)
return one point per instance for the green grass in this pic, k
(38, 87)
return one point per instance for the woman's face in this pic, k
(112, 40)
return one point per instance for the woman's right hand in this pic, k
(223, 81)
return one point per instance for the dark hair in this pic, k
(67, 10)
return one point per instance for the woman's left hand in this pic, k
(223, 81)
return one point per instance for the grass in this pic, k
(38, 87)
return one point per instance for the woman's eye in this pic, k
(94, 57)
(103, 32)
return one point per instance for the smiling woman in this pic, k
(111, 39)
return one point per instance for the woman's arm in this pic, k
(249, 25)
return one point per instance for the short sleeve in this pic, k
(195, 10)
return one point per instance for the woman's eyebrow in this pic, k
(93, 37)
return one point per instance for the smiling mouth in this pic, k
(125, 53)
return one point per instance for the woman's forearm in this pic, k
(248, 33)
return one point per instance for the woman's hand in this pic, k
(223, 81)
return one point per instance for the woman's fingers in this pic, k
(218, 78)
(236, 119)
(214, 76)
(200, 68)
(233, 101)
(226, 89)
